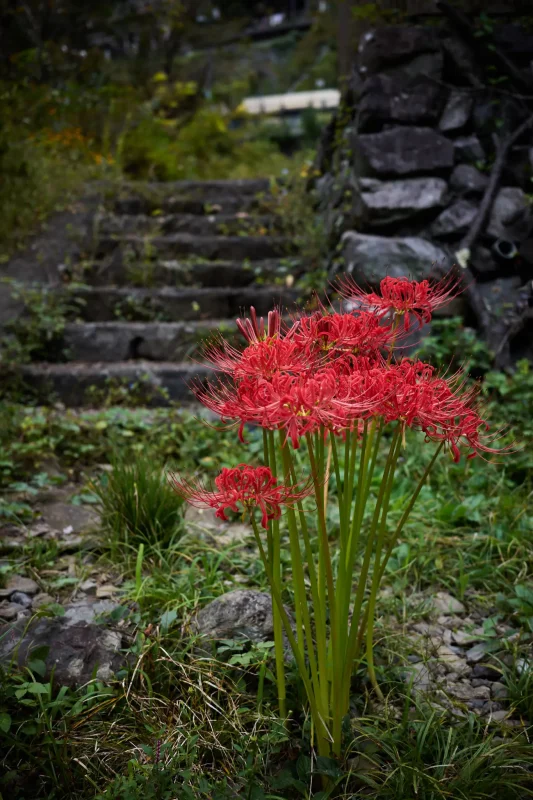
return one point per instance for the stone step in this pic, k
(192, 197)
(193, 224)
(236, 274)
(79, 383)
(167, 304)
(173, 342)
(179, 245)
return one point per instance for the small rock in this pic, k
(445, 603)
(9, 610)
(454, 220)
(89, 586)
(452, 623)
(17, 583)
(426, 629)
(491, 706)
(393, 98)
(480, 682)
(22, 599)
(391, 201)
(469, 149)
(68, 518)
(419, 676)
(42, 599)
(477, 653)
(87, 611)
(40, 529)
(107, 590)
(76, 651)
(462, 637)
(390, 45)
(452, 661)
(456, 112)
(499, 716)
(476, 704)
(244, 613)
(499, 691)
(488, 673)
(369, 259)
(510, 204)
(465, 691)
(406, 150)
(466, 178)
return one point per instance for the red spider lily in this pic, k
(401, 296)
(298, 404)
(360, 334)
(252, 487)
(261, 359)
(254, 330)
(443, 408)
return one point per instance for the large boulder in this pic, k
(390, 99)
(392, 201)
(74, 647)
(390, 45)
(405, 151)
(369, 259)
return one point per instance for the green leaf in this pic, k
(38, 666)
(38, 688)
(5, 721)
(329, 767)
(167, 619)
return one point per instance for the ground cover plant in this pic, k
(184, 723)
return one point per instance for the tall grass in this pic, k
(137, 504)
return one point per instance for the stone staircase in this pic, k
(168, 265)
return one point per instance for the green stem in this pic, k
(299, 584)
(275, 560)
(407, 512)
(323, 735)
(356, 615)
(320, 621)
(371, 606)
(337, 657)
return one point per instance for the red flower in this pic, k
(261, 359)
(252, 487)
(332, 397)
(253, 329)
(360, 334)
(443, 408)
(403, 297)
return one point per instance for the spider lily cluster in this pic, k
(338, 385)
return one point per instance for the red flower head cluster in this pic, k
(402, 297)
(251, 487)
(328, 371)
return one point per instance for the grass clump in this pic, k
(430, 757)
(138, 506)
